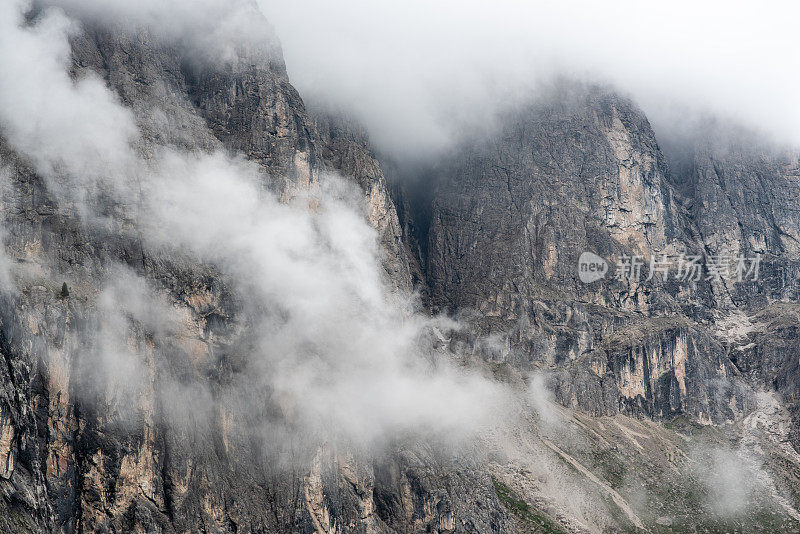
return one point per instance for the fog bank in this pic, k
(418, 73)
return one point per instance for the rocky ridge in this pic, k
(509, 215)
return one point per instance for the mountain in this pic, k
(133, 395)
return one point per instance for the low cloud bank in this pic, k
(418, 74)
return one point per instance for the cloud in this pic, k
(54, 120)
(7, 285)
(542, 401)
(418, 74)
(733, 479)
(325, 347)
(212, 28)
(324, 338)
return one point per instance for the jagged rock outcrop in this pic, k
(82, 454)
(345, 148)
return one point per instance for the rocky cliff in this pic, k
(78, 456)
(578, 170)
(152, 419)
(581, 170)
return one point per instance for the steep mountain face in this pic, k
(82, 453)
(581, 170)
(744, 201)
(495, 242)
(87, 457)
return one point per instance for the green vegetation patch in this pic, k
(522, 510)
(611, 468)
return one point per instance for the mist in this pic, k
(420, 74)
(321, 347)
(210, 28)
(328, 339)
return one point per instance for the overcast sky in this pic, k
(415, 71)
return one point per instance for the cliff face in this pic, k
(521, 206)
(85, 453)
(167, 445)
(581, 170)
(744, 201)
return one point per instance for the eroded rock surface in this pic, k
(495, 242)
